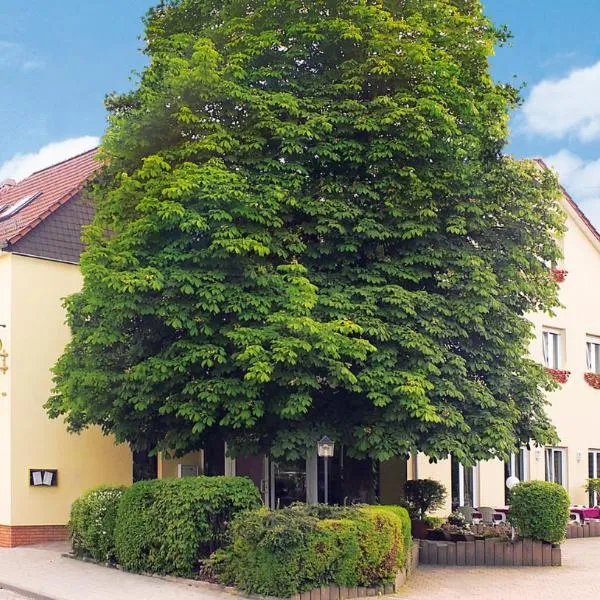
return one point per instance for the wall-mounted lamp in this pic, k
(579, 455)
(538, 454)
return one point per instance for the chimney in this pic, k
(7, 184)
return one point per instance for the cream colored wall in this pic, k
(5, 388)
(440, 471)
(575, 408)
(168, 468)
(38, 336)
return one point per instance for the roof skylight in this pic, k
(18, 205)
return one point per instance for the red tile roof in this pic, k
(57, 184)
(573, 204)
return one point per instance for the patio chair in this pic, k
(467, 513)
(487, 515)
(574, 519)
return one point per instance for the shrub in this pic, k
(539, 510)
(402, 514)
(92, 523)
(592, 486)
(423, 496)
(288, 551)
(166, 526)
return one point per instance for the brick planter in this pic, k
(490, 552)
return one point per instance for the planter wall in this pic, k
(334, 592)
(589, 529)
(490, 552)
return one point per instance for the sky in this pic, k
(59, 59)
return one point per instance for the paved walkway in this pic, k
(42, 571)
(577, 579)
(47, 575)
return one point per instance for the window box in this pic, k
(559, 375)
(559, 275)
(592, 379)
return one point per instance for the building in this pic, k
(568, 344)
(42, 467)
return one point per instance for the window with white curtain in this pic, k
(552, 348)
(592, 354)
(556, 465)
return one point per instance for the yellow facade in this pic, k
(575, 407)
(31, 295)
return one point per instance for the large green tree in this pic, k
(306, 225)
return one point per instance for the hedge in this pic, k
(539, 510)
(167, 526)
(92, 523)
(285, 552)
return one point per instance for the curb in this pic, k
(25, 592)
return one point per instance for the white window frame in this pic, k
(461, 485)
(514, 457)
(592, 354)
(552, 352)
(550, 451)
(595, 463)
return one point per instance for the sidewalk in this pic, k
(40, 572)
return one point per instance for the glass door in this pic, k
(288, 483)
(594, 473)
(556, 465)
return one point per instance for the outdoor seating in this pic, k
(471, 515)
(487, 515)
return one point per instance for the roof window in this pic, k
(11, 210)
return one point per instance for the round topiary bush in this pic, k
(539, 510)
(423, 496)
(92, 523)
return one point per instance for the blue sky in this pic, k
(59, 59)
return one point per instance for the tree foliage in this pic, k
(306, 225)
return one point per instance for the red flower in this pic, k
(592, 379)
(559, 275)
(559, 375)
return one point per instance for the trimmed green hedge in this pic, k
(92, 523)
(539, 510)
(167, 526)
(284, 552)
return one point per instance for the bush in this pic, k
(92, 523)
(402, 514)
(423, 496)
(539, 510)
(592, 486)
(167, 526)
(288, 551)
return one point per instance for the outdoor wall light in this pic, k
(538, 454)
(579, 456)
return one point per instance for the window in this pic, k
(592, 354)
(517, 466)
(17, 206)
(594, 473)
(556, 465)
(552, 348)
(465, 485)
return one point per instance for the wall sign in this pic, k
(3, 357)
(43, 477)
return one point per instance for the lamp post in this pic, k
(325, 448)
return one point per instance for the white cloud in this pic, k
(16, 56)
(568, 106)
(581, 178)
(22, 165)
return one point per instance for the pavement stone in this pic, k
(577, 579)
(43, 571)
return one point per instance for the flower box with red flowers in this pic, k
(592, 379)
(559, 275)
(559, 375)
